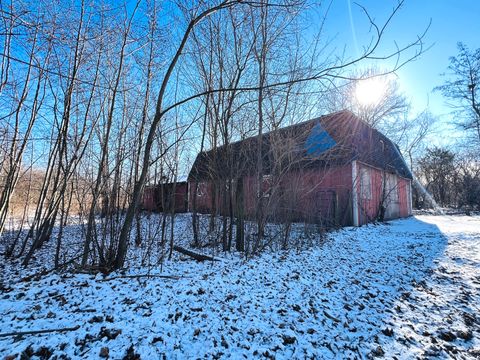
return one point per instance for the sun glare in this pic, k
(369, 92)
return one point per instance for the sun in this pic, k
(369, 92)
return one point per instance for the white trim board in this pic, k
(354, 194)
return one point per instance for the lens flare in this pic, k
(369, 92)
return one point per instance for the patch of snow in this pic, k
(408, 288)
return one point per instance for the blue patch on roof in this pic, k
(318, 141)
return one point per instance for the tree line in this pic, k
(452, 174)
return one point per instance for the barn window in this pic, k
(202, 189)
(365, 184)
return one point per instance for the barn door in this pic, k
(392, 206)
(326, 208)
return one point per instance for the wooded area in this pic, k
(100, 100)
(218, 179)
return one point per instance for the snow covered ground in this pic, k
(406, 289)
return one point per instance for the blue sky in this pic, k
(451, 21)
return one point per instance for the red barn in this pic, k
(161, 197)
(334, 170)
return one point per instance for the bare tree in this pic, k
(16, 134)
(437, 170)
(101, 176)
(463, 88)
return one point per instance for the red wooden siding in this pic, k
(148, 200)
(306, 195)
(181, 197)
(322, 195)
(204, 196)
(152, 197)
(405, 196)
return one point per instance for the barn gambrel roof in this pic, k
(330, 140)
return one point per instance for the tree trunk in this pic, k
(239, 203)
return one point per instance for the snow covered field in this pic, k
(406, 289)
